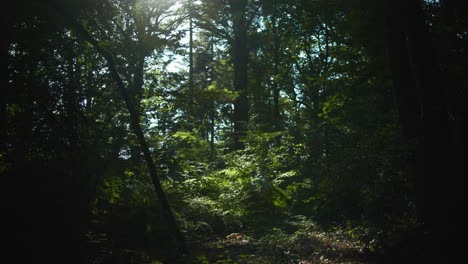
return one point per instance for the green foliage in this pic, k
(246, 192)
(322, 148)
(219, 94)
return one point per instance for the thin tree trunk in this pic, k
(190, 113)
(212, 124)
(326, 67)
(4, 58)
(277, 123)
(213, 103)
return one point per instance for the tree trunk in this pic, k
(213, 102)
(190, 113)
(4, 58)
(277, 122)
(240, 60)
(135, 94)
(424, 117)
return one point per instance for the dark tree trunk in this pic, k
(213, 102)
(191, 91)
(325, 87)
(135, 94)
(424, 118)
(5, 84)
(240, 59)
(277, 122)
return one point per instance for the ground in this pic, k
(300, 247)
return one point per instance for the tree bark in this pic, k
(277, 122)
(213, 101)
(4, 58)
(240, 60)
(424, 118)
(191, 91)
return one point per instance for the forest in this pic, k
(234, 131)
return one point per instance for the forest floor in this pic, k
(304, 247)
(316, 248)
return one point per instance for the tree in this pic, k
(240, 55)
(425, 115)
(131, 97)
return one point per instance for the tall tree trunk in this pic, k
(213, 102)
(78, 197)
(190, 113)
(325, 87)
(135, 94)
(4, 58)
(424, 117)
(277, 123)
(419, 59)
(240, 59)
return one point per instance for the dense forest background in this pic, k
(233, 131)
